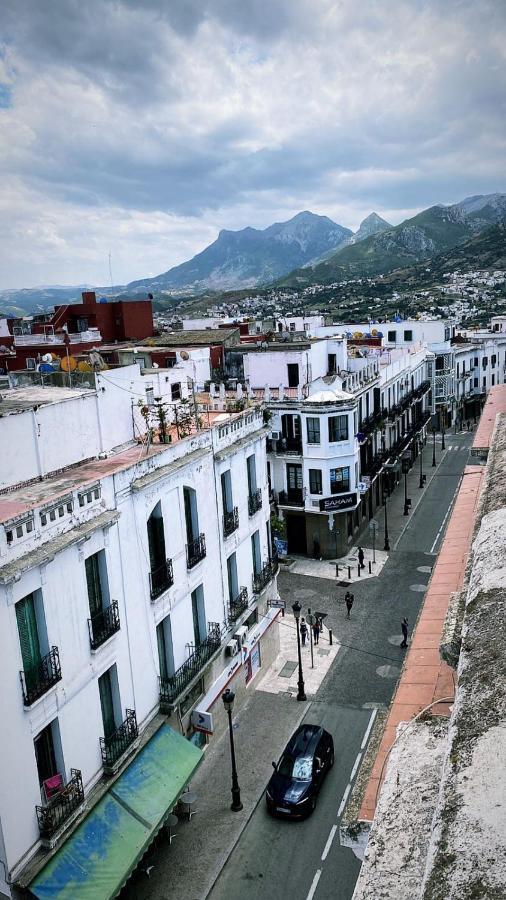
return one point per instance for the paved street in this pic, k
(284, 859)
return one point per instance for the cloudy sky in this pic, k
(141, 127)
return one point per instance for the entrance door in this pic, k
(296, 534)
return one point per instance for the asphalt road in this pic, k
(302, 860)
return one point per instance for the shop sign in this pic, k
(202, 721)
(338, 502)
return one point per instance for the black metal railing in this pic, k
(38, 679)
(103, 624)
(289, 445)
(60, 807)
(294, 497)
(255, 502)
(267, 572)
(161, 579)
(195, 551)
(238, 605)
(230, 521)
(113, 747)
(172, 686)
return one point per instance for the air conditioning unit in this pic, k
(275, 435)
(240, 635)
(232, 648)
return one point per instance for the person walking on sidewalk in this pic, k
(361, 558)
(404, 627)
(317, 627)
(303, 631)
(348, 599)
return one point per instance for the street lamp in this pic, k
(386, 545)
(228, 702)
(405, 469)
(422, 476)
(296, 611)
(442, 437)
(433, 448)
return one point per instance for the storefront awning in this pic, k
(95, 862)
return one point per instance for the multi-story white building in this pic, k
(135, 580)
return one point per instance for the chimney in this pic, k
(89, 298)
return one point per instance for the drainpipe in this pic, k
(99, 423)
(36, 434)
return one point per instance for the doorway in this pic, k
(296, 534)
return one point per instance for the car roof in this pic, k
(304, 740)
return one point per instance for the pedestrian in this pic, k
(316, 631)
(361, 558)
(404, 627)
(303, 631)
(348, 599)
(468, 424)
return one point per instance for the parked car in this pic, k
(300, 772)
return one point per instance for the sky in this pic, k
(140, 128)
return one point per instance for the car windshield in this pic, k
(299, 768)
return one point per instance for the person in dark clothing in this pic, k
(317, 627)
(348, 599)
(361, 558)
(404, 627)
(303, 631)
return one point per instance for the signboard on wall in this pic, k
(281, 546)
(202, 721)
(338, 502)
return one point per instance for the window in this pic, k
(255, 553)
(484, 382)
(199, 615)
(493, 360)
(293, 374)
(338, 428)
(340, 480)
(96, 580)
(292, 326)
(475, 382)
(191, 514)
(331, 364)
(408, 335)
(252, 475)
(493, 380)
(29, 637)
(392, 337)
(170, 362)
(476, 361)
(48, 753)
(109, 700)
(485, 362)
(313, 430)
(315, 481)
(156, 539)
(175, 391)
(294, 479)
(164, 643)
(233, 583)
(226, 492)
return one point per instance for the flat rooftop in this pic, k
(15, 400)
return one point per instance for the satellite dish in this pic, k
(184, 355)
(68, 363)
(47, 358)
(45, 367)
(374, 332)
(156, 366)
(84, 366)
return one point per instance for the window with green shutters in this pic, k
(95, 596)
(162, 651)
(106, 703)
(28, 636)
(156, 539)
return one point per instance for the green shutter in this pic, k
(94, 585)
(28, 633)
(162, 651)
(104, 686)
(156, 541)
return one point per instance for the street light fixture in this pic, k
(296, 612)
(433, 448)
(228, 702)
(386, 545)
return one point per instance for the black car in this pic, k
(299, 774)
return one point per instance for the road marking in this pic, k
(328, 845)
(355, 766)
(443, 523)
(314, 885)
(343, 801)
(369, 728)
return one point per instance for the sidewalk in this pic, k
(283, 675)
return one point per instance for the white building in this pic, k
(134, 586)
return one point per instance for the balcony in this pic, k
(267, 572)
(60, 807)
(255, 502)
(174, 685)
(103, 625)
(39, 679)
(289, 447)
(195, 551)
(113, 747)
(239, 605)
(230, 522)
(90, 336)
(291, 498)
(161, 579)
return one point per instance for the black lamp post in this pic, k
(442, 437)
(405, 469)
(422, 476)
(433, 448)
(386, 545)
(228, 702)
(296, 611)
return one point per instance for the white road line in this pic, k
(355, 766)
(368, 729)
(343, 801)
(328, 845)
(445, 518)
(314, 885)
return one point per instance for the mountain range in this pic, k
(307, 249)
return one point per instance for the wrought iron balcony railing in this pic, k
(38, 679)
(267, 572)
(195, 551)
(172, 686)
(113, 746)
(294, 497)
(230, 521)
(60, 807)
(238, 605)
(255, 502)
(161, 579)
(103, 625)
(290, 446)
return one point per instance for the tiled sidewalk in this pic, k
(283, 675)
(425, 677)
(325, 568)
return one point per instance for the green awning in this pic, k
(96, 860)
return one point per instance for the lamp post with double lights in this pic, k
(296, 612)
(228, 702)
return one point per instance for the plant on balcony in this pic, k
(278, 526)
